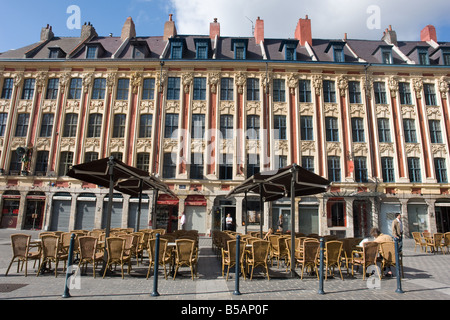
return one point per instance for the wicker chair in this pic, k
(332, 256)
(258, 257)
(165, 255)
(435, 242)
(185, 255)
(446, 240)
(20, 245)
(89, 252)
(366, 257)
(387, 251)
(273, 239)
(309, 256)
(116, 254)
(229, 256)
(418, 241)
(51, 252)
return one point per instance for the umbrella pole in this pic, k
(246, 212)
(138, 220)
(109, 210)
(294, 173)
(155, 199)
(261, 209)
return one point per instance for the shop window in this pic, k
(336, 213)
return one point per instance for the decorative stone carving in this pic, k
(357, 110)
(433, 111)
(87, 81)
(280, 108)
(92, 143)
(412, 148)
(331, 109)
(418, 86)
(135, 80)
(117, 144)
(18, 78)
(213, 80)
(253, 107)
(199, 107)
(409, 111)
(306, 109)
(439, 148)
(68, 143)
(342, 85)
(334, 148)
(393, 86)
(227, 107)
(383, 110)
(360, 148)
(41, 78)
(386, 148)
(64, 80)
(308, 146)
(443, 87)
(368, 85)
(173, 106)
(317, 82)
(147, 106)
(292, 82)
(25, 106)
(187, 79)
(240, 79)
(110, 80)
(160, 80)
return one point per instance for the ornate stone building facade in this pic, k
(206, 112)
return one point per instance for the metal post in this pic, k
(138, 220)
(109, 210)
(156, 267)
(237, 267)
(294, 175)
(261, 210)
(322, 248)
(397, 265)
(246, 212)
(66, 293)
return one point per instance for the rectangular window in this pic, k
(169, 166)
(423, 57)
(201, 49)
(41, 163)
(308, 163)
(226, 126)
(239, 51)
(435, 131)
(329, 91)
(386, 55)
(226, 89)
(290, 52)
(8, 84)
(282, 161)
(253, 127)
(414, 170)
(123, 86)
(358, 130)
(252, 89)
(15, 164)
(336, 213)
(226, 167)
(387, 168)
(446, 56)
(332, 129)
(70, 125)
(354, 89)
(430, 95)
(52, 89)
(143, 161)
(384, 131)
(338, 53)
(409, 128)
(405, 93)
(76, 86)
(360, 169)
(95, 125)
(441, 170)
(171, 124)
(334, 169)
(280, 127)
(173, 88)
(306, 128)
(148, 89)
(119, 126)
(65, 161)
(305, 90)
(90, 156)
(176, 49)
(117, 155)
(91, 52)
(145, 126)
(200, 88)
(196, 167)
(3, 119)
(253, 166)
(379, 89)
(279, 91)
(22, 124)
(198, 126)
(47, 125)
(99, 88)
(28, 89)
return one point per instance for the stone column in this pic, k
(431, 210)
(405, 217)
(239, 213)
(350, 227)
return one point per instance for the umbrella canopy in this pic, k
(126, 179)
(275, 184)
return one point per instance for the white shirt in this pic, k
(183, 219)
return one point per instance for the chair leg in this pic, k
(10, 264)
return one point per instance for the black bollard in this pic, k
(397, 267)
(156, 259)
(322, 248)
(237, 267)
(66, 293)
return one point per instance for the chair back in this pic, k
(333, 251)
(388, 251)
(50, 246)
(19, 243)
(438, 238)
(416, 236)
(260, 250)
(88, 246)
(95, 233)
(447, 239)
(273, 239)
(231, 245)
(282, 244)
(162, 248)
(115, 247)
(310, 250)
(184, 249)
(370, 251)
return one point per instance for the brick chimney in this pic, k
(259, 31)
(88, 31)
(214, 29)
(169, 28)
(303, 31)
(128, 30)
(428, 33)
(47, 33)
(390, 36)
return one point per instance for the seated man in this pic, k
(380, 237)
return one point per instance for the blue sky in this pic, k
(21, 21)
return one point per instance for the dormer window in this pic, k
(56, 53)
(290, 49)
(336, 49)
(202, 47)
(446, 57)
(239, 46)
(424, 59)
(176, 48)
(91, 52)
(384, 54)
(140, 49)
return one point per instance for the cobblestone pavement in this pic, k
(426, 278)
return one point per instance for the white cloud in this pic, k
(329, 18)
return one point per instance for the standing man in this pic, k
(397, 230)
(182, 220)
(229, 222)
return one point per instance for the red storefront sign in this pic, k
(167, 200)
(195, 200)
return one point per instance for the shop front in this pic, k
(116, 212)
(34, 214)
(308, 212)
(195, 210)
(86, 207)
(61, 206)
(442, 209)
(133, 210)
(222, 208)
(10, 210)
(166, 213)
